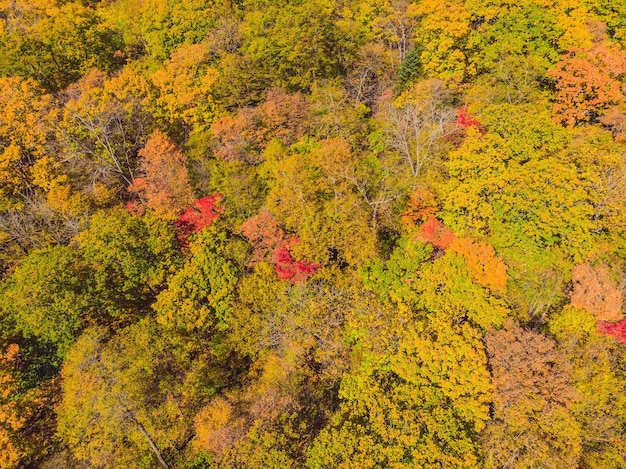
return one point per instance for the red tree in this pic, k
(616, 329)
(435, 233)
(200, 215)
(270, 243)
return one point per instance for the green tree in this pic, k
(131, 258)
(47, 297)
(200, 297)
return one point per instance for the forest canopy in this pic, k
(313, 234)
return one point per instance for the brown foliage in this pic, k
(217, 427)
(526, 365)
(164, 182)
(532, 425)
(595, 292)
(243, 136)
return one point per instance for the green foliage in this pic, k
(131, 257)
(200, 297)
(46, 297)
(295, 44)
(411, 68)
(394, 280)
(166, 25)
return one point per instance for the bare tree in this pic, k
(417, 128)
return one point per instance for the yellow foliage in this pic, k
(211, 424)
(186, 83)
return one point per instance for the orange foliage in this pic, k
(164, 183)
(242, 137)
(269, 242)
(588, 82)
(11, 420)
(422, 205)
(264, 233)
(434, 232)
(595, 292)
(488, 269)
(217, 428)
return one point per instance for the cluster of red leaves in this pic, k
(200, 215)
(269, 242)
(616, 329)
(434, 232)
(466, 121)
(289, 269)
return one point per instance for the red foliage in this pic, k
(435, 233)
(269, 242)
(386, 95)
(289, 269)
(616, 329)
(200, 215)
(466, 121)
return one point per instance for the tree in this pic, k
(270, 243)
(446, 39)
(24, 137)
(418, 406)
(26, 409)
(56, 44)
(532, 423)
(588, 82)
(164, 180)
(48, 297)
(202, 213)
(166, 26)
(596, 374)
(595, 292)
(132, 259)
(293, 45)
(113, 410)
(185, 84)
(417, 124)
(104, 123)
(243, 137)
(200, 297)
(316, 200)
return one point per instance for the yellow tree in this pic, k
(185, 83)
